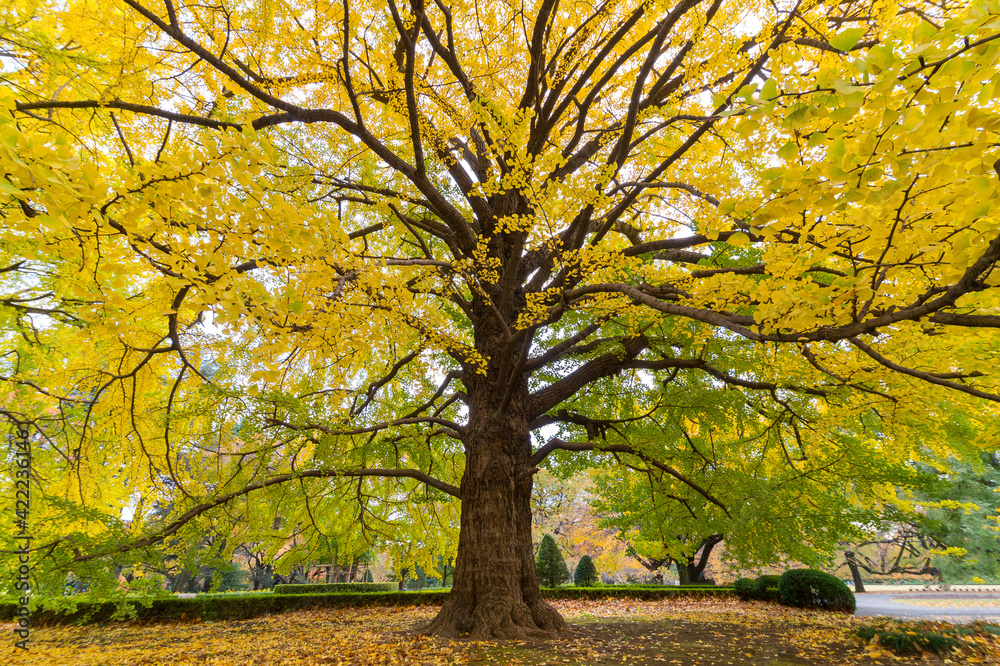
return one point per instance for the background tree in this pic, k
(900, 550)
(963, 513)
(778, 494)
(946, 529)
(585, 574)
(549, 564)
(561, 507)
(261, 572)
(411, 236)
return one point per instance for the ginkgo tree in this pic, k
(270, 260)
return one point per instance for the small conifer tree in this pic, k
(586, 573)
(549, 564)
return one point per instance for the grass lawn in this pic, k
(681, 632)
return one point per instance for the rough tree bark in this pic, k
(495, 592)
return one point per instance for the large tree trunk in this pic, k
(495, 592)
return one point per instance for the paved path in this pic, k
(890, 605)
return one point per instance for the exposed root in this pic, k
(547, 617)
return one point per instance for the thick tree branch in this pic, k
(928, 377)
(974, 321)
(565, 347)
(603, 366)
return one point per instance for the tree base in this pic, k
(494, 618)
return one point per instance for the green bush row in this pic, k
(802, 588)
(331, 588)
(222, 607)
(241, 607)
(644, 593)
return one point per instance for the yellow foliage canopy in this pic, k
(350, 248)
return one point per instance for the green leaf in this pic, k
(981, 184)
(843, 114)
(747, 91)
(846, 39)
(769, 90)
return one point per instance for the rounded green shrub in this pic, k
(808, 588)
(585, 574)
(766, 588)
(744, 588)
(763, 588)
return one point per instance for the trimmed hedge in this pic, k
(803, 588)
(808, 588)
(641, 593)
(334, 588)
(242, 607)
(224, 607)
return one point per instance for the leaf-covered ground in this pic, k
(687, 633)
